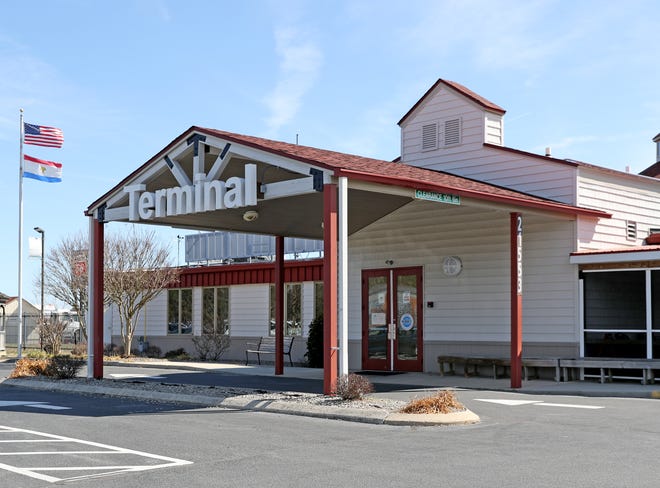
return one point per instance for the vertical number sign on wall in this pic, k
(516, 299)
(519, 232)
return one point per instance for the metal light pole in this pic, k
(179, 238)
(43, 236)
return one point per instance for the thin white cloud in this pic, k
(502, 34)
(300, 63)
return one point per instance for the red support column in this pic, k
(279, 305)
(516, 300)
(330, 348)
(97, 297)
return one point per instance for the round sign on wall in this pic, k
(452, 265)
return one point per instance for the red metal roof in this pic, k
(617, 250)
(374, 170)
(466, 92)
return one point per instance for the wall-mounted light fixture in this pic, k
(250, 215)
(389, 262)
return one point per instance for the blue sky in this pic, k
(124, 78)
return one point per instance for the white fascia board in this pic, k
(380, 188)
(116, 214)
(288, 188)
(615, 257)
(238, 149)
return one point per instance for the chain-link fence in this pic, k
(31, 333)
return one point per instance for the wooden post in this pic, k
(279, 305)
(516, 300)
(97, 296)
(329, 287)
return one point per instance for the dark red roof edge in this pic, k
(653, 171)
(619, 250)
(466, 92)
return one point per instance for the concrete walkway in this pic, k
(402, 385)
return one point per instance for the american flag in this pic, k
(40, 135)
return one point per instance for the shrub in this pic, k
(37, 354)
(63, 367)
(314, 352)
(352, 387)
(153, 352)
(79, 350)
(177, 355)
(112, 350)
(29, 367)
(210, 347)
(51, 332)
(59, 367)
(441, 402)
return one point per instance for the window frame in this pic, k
(219, 311)
(183, 327)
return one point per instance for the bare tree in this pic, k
(136, 270)
(52, 331)
(65, 277)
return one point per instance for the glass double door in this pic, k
(392, 338)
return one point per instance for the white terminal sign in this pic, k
(438, 197)
(202, 196)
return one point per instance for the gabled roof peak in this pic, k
(461, 90)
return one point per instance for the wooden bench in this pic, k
(471, 365)
(266, 345)
(606, 365)
(537, 363)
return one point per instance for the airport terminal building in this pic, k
(460, 245)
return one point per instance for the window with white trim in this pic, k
(179, 311)
(215, 310)
(292, 309)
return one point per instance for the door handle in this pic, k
(391, 332)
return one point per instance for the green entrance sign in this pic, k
(438, 197)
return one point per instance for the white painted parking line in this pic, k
(52, 474)
(515, 403)
(44, 405)
(123, 376)
(47, 407)
(569, 405)
(510, 403)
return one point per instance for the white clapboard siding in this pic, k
(154, 316)
(249, 313)
(475, 305)
(626, 197)
(307, 312)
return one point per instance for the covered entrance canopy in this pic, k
(207, 179)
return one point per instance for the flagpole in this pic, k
(19, 352)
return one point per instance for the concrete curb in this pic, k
(258, 405)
